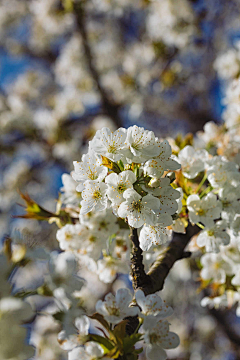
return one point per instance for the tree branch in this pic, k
(110, 107)
(221, 316)
(153, 281)
(165, 261)
(139, 276)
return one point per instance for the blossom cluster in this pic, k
(154, 326)
(124, 173)
(77, 334)
(127, 177)
(214, 206)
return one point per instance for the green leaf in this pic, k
(114, 353)
(110, 164)
(106, 344)
(120, 165)
(100, 318)
(130, 341)
(138, 351)
(59, 316)
(120, 330)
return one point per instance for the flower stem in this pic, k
(201, 183)
(206, 191)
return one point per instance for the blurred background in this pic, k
(68, 68)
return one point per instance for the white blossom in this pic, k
(229, 196)
(94, 197)
(152, 305)
(157, 234)
(69, 236)
(228, 64)
(117, 184)
(62, 273)
(69, 342)
(70, 195)
(204, 210)
(157, 338)
(91, 351)
(102, 223)
(156, 167)
(138, 210)
(167, 197)
(221, 172)
(213, 237)
(89, 169)
(141, 144)
(115, 308)
(109, 144)
(81, 240)
(192, 161)
(108, 267)
(215, 267)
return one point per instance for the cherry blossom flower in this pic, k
(213, 237)
(94, 197)
(152, 305)
(221, 172)
(69, 342)
(138, 210)
(215, 267)
(157, 338)
(204, 210)
(117, 184)
(192, 161)
(156, 167)
(141, 144)
(89, 169)
(109, 144)
(115, 308)
(108, 267)
(157, 234)
(91, 351)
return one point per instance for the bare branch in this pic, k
(153, 281)
(108, 105)
(163, 264)
(139, 277)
